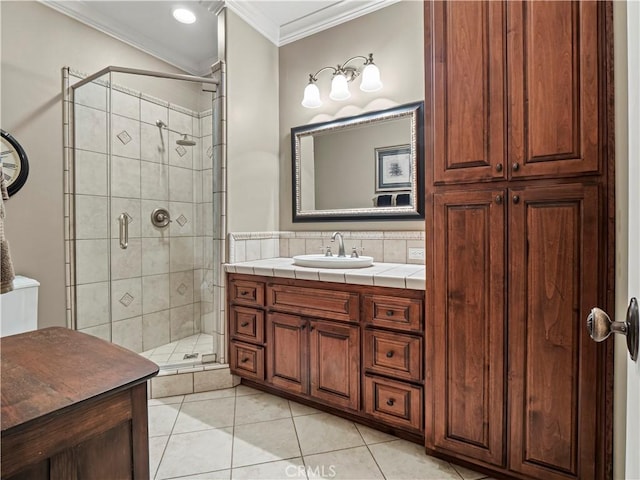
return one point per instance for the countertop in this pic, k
(395, 275)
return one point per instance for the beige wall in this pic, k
(345, 163)
(36, 43)
(395, 36)
(252, 128)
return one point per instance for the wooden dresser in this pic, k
(73, 407)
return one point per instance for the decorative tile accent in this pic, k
(210, 152)
(182, 220)
(126, 300)
(124, 137)
(181, 150)
(129, 217)
(182, 289)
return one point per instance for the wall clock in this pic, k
(15, 165)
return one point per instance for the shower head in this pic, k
(184, 141)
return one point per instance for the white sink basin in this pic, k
(320, 261)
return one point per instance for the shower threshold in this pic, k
(193, 350)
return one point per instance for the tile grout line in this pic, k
(169, 437)
(233, 430)
(304, 463)
(370, 452)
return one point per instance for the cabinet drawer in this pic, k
(393, 312)
(246, 360)
(392, 402)
(332, 304)
(395, 354)
(246, 324)
(246, 292)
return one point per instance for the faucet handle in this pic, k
(328, 253)
(354, 252)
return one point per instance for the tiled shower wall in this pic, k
(158, 284)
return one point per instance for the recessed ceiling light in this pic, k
(184, 16)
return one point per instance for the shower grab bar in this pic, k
(148, 73)
(124, 230)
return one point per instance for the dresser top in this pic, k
(47, 370)
(395, 275)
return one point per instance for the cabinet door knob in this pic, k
(244, 292)
(390, 354)
(499, 199)
(244, 324)
(516, 166)
(312, 328)
(389, 313)
(516, 199)
(390, 402)
(244, 360)
(303, 326)
(499, 167)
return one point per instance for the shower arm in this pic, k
(161, 124)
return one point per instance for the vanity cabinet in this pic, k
(517, 237)
(352, 348)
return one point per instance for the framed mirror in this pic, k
(366, 167)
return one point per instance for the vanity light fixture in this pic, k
(184, 15)
(342, 75)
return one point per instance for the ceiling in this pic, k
(149, 25)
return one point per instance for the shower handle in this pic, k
(124, 230)
(160, 217)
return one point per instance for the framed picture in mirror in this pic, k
(393, 168)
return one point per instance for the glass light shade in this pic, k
(370, 79)
(184, 16)
(311, 97)
(339, 88)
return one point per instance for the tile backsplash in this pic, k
(388, 247)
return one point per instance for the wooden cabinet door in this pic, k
(465, 403)
(335, 363)
(468, 101)
(552, 72)
(553, 368)
(287, 350)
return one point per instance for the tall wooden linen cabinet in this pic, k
(519, 185)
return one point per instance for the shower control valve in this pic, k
(160, 217)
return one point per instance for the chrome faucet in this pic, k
(340, 243)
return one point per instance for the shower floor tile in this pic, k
(173, 353)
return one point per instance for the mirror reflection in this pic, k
(363, 167)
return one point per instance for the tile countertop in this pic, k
(395, 275)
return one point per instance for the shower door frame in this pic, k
(218, 143)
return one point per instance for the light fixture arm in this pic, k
(351, 72)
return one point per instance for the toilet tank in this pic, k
(19, 308)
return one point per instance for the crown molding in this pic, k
(330, 16)
(80, 11)
(247, 12)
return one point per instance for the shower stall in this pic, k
(144, 196)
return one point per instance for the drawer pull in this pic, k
(389, 313)
(390, 354)
(244, 360)
(244, 293)
(390, 402)
(244, 324)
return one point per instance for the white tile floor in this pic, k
(173, 353)
(242, 433)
